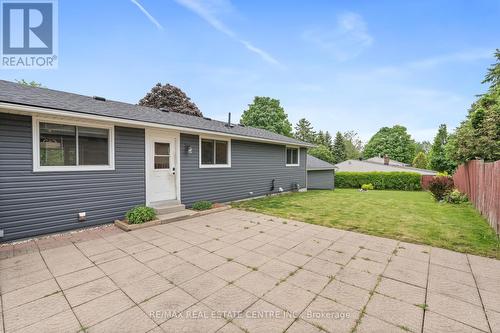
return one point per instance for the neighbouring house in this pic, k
(382, 164)
(320, 174)
(70, 161)
(386, 160)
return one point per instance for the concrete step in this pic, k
(176, 216)
(170, 209)
(167, 207)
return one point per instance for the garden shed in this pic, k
(320, 174)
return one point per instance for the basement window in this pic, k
(61, 146)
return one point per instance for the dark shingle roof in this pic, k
(41, 97)
(314, 163)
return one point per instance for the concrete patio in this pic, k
(237, 271)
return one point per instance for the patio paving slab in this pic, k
(268, 274)
(133, 320)
(330, 316)
(396, 312)
(29, 294)
(38, 310)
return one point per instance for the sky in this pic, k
(343, 65)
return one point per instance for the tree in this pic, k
(493, 75)
(267, 113)
(353, 145)
(479, 135)
(304, 131)
(324, 138)
(420, 161)
(327, 139)
(437, 156)
(393, 141)
(322, 152)
(338, 150)
(172, 98)
(31, 83)
(424, 146)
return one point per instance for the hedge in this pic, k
(406, 181)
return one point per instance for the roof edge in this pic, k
(30, 109)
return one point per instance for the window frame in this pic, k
(48, 168)
(298, 156)
(214, 138)
(169, 155)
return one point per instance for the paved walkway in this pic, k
(236, 271)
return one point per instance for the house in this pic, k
(320, 174)
(69, 161)
(384, 159)
(382, 164)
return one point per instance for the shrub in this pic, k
(440, 186)
(367, 186)
(202, 205)
(456, 197)
(406, 181)
(140, 214)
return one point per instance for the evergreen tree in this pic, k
(304, 131)
(420, 161)
(320, 138)
(437, 156)
(328, 140)
(493, 75)
(478, 136)
(339, 151)
(324, 139)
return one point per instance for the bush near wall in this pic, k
(406, 181)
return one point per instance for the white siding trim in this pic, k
(298, 156)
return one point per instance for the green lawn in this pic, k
(404, 215)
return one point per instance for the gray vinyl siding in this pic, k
(253, 167)
(320, 179)
(45, 202)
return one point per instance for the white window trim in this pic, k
(36, 146)
(298, 156)
(213, 166)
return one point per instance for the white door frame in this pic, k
(150, 134)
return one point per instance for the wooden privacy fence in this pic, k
(481, 182)
(425, 180)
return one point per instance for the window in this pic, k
(292, 156)
(162, 155)
(61, 146)
(214, 153)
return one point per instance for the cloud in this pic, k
(347, 39)
(207, 10)
(148, 15)
(263, 54)
(463, 56)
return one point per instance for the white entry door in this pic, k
(161, 173)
